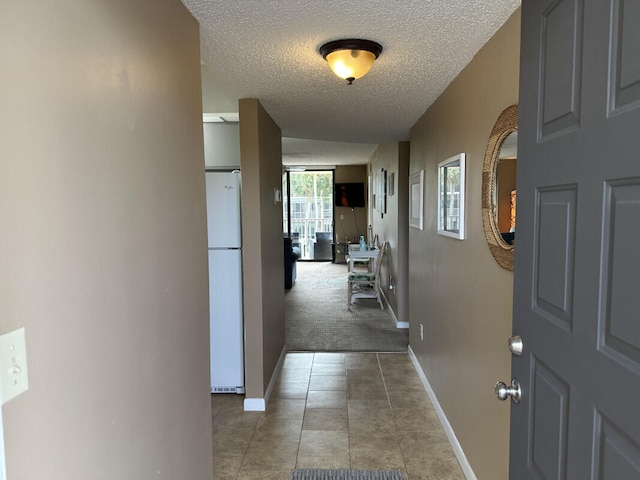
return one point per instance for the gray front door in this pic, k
(577, 265)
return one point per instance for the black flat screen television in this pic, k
(350, 195)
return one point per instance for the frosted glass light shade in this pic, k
(350, 59)
(351, 64)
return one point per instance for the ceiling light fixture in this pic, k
(351, 58)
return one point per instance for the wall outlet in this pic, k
(421, 332)
(13, 364)
(341, 216)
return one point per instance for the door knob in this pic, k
(515, 345)
(503, 391)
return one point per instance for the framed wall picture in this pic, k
(383, 178)
(381, 192)
(451, 202)
(416, 199)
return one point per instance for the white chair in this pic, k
(357, 264)
(366, 284)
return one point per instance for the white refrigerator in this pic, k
(225, 282)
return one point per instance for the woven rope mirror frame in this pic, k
(506, 124)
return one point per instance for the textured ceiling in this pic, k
(316, 153)
(268, 49)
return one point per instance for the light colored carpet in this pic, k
(346, 475)
(317, 319)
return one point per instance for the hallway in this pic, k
(335, 410)
(317, 318)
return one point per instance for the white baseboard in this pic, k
(401, 325)
(255, 405)
(260, 404)
(3, 467)
(453, 440)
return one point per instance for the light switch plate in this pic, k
(13, 364)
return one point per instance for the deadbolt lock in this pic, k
(515, 345)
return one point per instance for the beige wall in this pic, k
(354, 222)
(103, 245)
(216, 96)
(221, 146)
(262, 241)
(393, 226)
(458, 291)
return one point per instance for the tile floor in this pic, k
(335, 410)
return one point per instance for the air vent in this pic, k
(238, 390)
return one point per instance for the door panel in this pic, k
(625, 70)
(555, 253)
(616, 456)
(549, 424)
(577, 265)
(620, 336)
(561, 48)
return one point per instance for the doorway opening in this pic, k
(308, 212)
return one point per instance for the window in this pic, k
(308, 209)
(451, 186)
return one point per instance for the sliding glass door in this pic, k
(308, 212)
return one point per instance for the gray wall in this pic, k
(103, 245)
(458, 291)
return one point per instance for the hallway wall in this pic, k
(262, 252)
(457, 290)
(103, 247)
(354, 221)
(393, 226)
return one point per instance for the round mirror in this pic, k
(499, 187)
